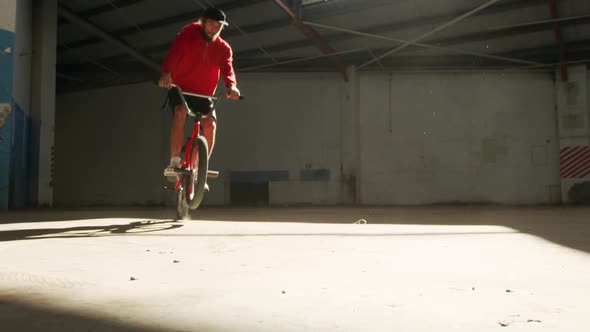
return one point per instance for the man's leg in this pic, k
(209, 128)
(209, 125)
(177, 131)
(176, 140)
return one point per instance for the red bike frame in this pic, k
(186, 161)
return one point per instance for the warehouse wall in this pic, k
(458, 138)
(311, 138)
(284, 137)
(110, 146)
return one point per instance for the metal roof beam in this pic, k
(437, 29)
(384, 28)
(315, 38)
(90, 27)
(498, 8)
(156, 24)
(371, 32)
(473, 37)
(113, 5)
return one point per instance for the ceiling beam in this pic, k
(184, 17)
(486, 35)
(386, 28)
(317, 14)
(111, 6)
(559, 39)
(90, 27)
(429, 46)
(315, 38)
(450, 41)
(431, 32)
(546, 53)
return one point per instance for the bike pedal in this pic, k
(169, 173)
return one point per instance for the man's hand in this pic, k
(165, 81)
(233, 93)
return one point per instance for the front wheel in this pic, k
(195, 186)
(181, 204)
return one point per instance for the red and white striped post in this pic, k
(574, 130)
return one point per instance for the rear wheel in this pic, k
(195, 182)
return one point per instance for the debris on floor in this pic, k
(175, 261)
(132, 279)
(533, 321)
(360, 221)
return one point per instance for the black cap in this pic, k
(215, 14)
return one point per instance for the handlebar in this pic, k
(189, 112)
(194, 94)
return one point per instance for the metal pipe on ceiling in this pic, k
(444, 26)
(356, 50)
(450, 49)
(315, 38)
(561, 19)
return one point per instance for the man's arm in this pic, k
(172, 59)
(228, 74)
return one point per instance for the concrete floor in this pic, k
(297, 269)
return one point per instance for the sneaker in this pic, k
(170, 171)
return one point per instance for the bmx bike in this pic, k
(191, 176)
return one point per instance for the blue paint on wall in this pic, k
(315, 175)
(258, 176)
(6, 72)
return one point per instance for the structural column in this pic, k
(43, 100)
(350, 140)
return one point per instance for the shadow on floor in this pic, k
(48, 215)
(567, 226)
(19, 315)
(137, 227)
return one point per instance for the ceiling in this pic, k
(111, 42)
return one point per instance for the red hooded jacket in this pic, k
(195, 65)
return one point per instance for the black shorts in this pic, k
(196, 104)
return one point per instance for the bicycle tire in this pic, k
(200, 163)
(181, 203)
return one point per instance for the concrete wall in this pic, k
(400, 139)
(110, 147)
(458, 138)
(8, 15)
(286, 124)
